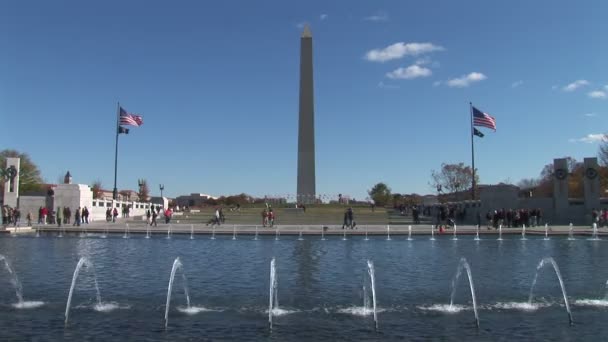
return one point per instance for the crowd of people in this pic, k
(268, 216)
(513, 218)
(600, 217)
(10, 216)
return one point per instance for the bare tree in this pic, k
(453, 178)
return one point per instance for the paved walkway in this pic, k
(177, 228)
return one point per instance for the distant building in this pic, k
(193, 200)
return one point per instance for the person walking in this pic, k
(59, 216)
(16, 217)
(264, 217)
(217, 216)
(114, 214)
(68, 216)
(77, 217)
(45, 213)
(29, 218)
(271, 217)
(85, 215)
(154, 216)
(148, 216)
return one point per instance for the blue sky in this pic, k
(217, 85)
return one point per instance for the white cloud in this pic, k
(380, 16)
(597, 94)
(323, 16)
(411, 72)
(401, 49)
(575, 85)
(590, 115)
(301, 25)
(591, 138)
(466, 80)
(387, 86)
(437, 83)
(517, 84)
(423, 61)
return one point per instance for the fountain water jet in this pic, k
(547, 231)
(366, 238)
(126, 236)
(561, 284)
(344, 235)
(322, 233)
(300, 238)
(276, 234)
(105, 233)
(388, 233)
(432, 233)
(169, 228)
(594, 237)
(14, 279)
(372, 279)
(82, 262)
(523, 232)
(409, 233)
(256, 233)
(234, 232)
(571, 232)
(273, 299)
(176, 265)
(213, 233)
(454, 237)
(191, 232)
(500, 232)
(477, 233)
(464, 264)
(21, 304)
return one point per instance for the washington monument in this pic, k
(306, 125)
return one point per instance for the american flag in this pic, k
(482, 119)
(130, 119)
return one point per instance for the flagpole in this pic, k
(115, 192)
(472, 152)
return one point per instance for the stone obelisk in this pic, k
(306, 124)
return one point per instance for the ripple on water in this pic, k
(281, 312)
(357, 311)
(446, 308)
(592, 302)
(28, 304)
(522, 306)
(192, 310)
(109, 307)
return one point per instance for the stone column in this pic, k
(11, 185)
(591, 184)
(306, 125)
(560, 189)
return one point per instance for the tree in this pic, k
(544, 188)
(397, 198)
(96, 189)
(528, 183)
(144, 192)
(380, 193)
(453, 178)
(29, 175)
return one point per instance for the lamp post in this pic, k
(161, 187)
(140, 183)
